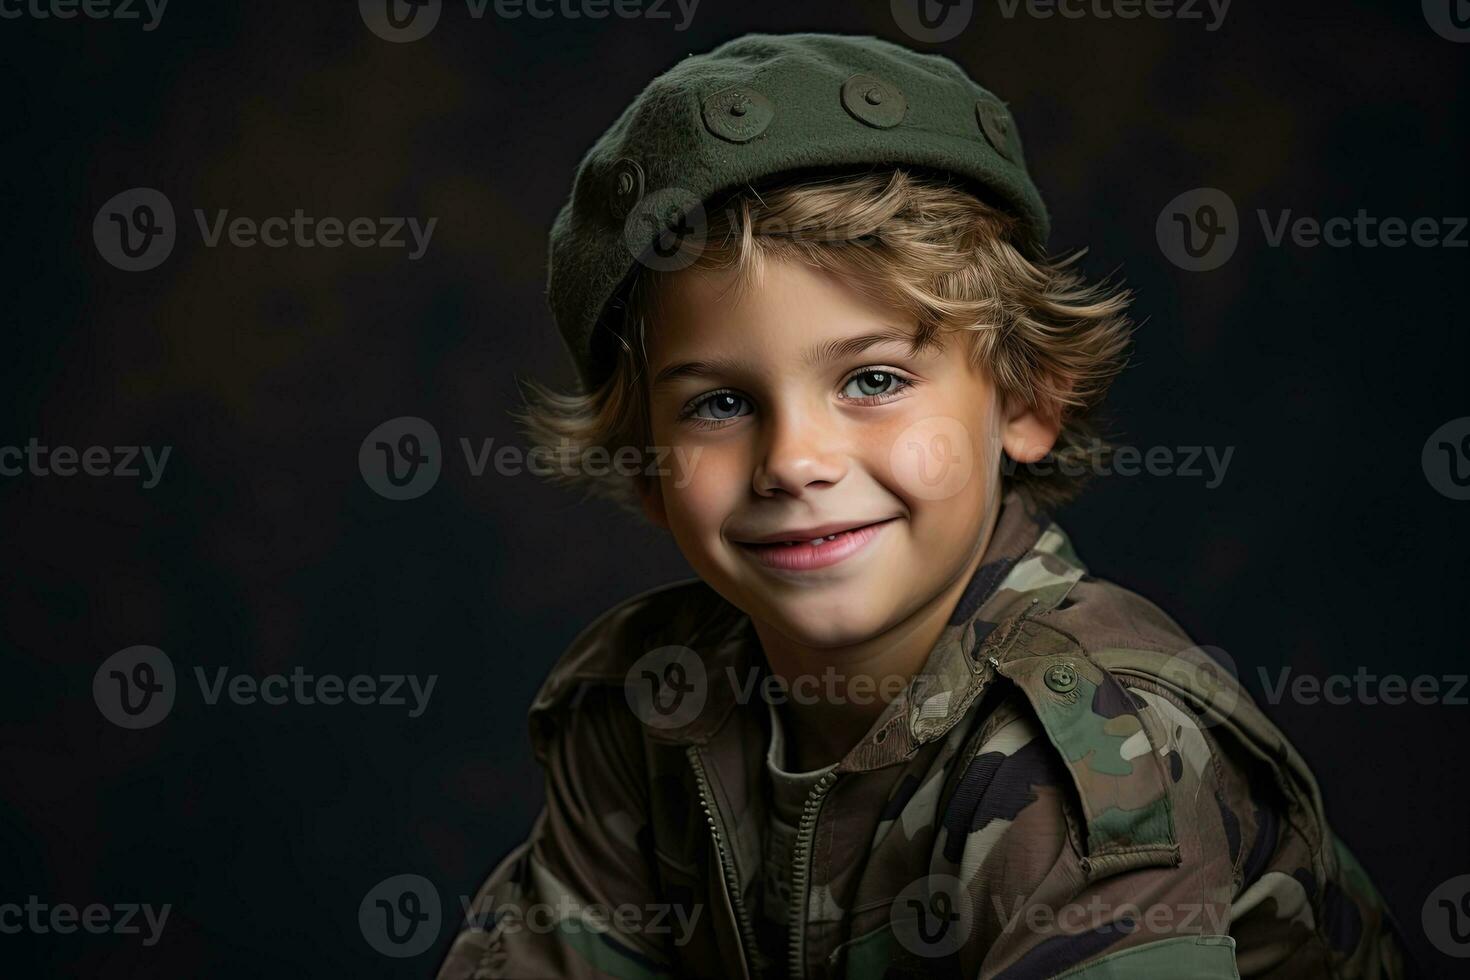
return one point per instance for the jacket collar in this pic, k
(1027, 568)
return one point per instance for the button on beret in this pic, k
(755, 107)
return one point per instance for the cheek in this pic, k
(933, 458)
(943, 456)
(704, 483)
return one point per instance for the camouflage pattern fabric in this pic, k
(1068, 788)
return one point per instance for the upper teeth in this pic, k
(819, 540)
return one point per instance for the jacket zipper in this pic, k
(732, 880)
(800, 873)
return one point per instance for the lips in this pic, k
(815, 547)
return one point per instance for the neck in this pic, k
(854, 683)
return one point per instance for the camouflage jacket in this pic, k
(1068, 788)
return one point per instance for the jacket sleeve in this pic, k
(570, 901)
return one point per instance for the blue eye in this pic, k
(719, 406)
(871, 383)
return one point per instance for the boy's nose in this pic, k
(799, 456)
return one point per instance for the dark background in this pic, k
(262, 549)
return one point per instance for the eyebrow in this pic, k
(819, 354)
(848, 346)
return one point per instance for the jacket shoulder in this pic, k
(607, 648)
(1174, 763)
(1139, 645)
(1118, 745)
(1103, 615)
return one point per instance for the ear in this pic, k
(650, 494)
(1027, 434)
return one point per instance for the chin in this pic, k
(825, 622)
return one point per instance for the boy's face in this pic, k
(799, 410)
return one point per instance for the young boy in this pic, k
(895, 728)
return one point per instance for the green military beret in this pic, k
(752, 108)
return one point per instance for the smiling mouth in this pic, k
(819, 551)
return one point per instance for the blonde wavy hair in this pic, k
(917, 243)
